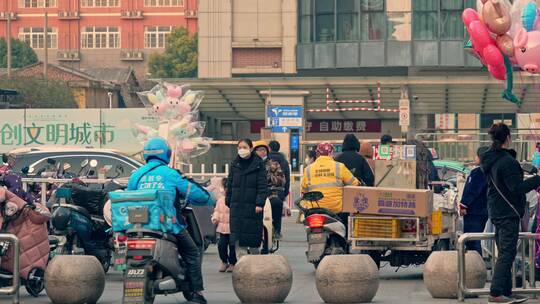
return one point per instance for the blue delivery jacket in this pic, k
(157, 175)
(475, 193)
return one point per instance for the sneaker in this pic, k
(223, 267)
(230, 269)
(198, 298)
(501, 300)
(519, 299)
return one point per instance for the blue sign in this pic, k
(283, 118)
(295, 142)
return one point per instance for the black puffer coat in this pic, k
(504, 172)
(246, 189)
(355, 162)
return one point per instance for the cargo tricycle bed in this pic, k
(400, 226)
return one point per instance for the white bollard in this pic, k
(262, 279)
(350, 278)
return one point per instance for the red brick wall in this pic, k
(257, 57)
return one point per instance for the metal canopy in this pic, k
(241, 98)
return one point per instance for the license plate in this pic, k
(134, 286)
(316, 238)
(138, 215)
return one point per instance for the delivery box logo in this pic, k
(360, 202)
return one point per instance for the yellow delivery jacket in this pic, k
(329, 177)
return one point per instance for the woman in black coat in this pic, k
(506, 204)
(247, 191)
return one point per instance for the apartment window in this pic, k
(347, 20)
(163, 2)
(156, 36)
(37, 3)
(35, 37)
(373, 20)
(306, 20)
(101, 37)
(426, 19)
(100, 3)
(324, 20)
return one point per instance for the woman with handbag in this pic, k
(506, 207)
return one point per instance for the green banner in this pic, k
(95, 128)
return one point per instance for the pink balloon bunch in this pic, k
(483, 44)
(177, 107)
(502, 29)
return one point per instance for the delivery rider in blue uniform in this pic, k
(156, 174)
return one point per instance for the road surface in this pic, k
(401, 286)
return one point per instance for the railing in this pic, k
(462, 146)
(14, 288)
(529, 288)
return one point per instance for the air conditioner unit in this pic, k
(68, 15)
(126, 14)
(191, 14)
(4, 15)
(132, 55)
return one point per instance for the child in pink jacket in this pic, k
(227, 252)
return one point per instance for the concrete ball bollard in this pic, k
(347, 278)
(262, 279)
(441, 273)
(74, 279)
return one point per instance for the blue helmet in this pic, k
(157, 148)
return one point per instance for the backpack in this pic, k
(275, 175)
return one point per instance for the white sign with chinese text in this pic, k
(404, 113)
(107, 128)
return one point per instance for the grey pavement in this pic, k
(402, 286)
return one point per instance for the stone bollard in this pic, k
(441, 273)
(347, 278)
(74, 279)
(262, 279)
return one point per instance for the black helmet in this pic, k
(60, 218)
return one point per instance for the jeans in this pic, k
(83, 226)
(506, 238)
(227, 251)
(192, 259)
(474, 223)
(277, 213)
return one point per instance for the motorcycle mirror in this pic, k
(84, 163)
(93, 163)
(67, 166)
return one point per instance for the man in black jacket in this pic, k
(355, 162)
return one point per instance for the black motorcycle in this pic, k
(78, 226)
(153, 264)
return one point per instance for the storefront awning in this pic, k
(241, 98)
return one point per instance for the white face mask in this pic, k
(244, 153)
(307, 161)
(265, 158)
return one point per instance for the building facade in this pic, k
(98, 33)
(360, 53)
(243, 37)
